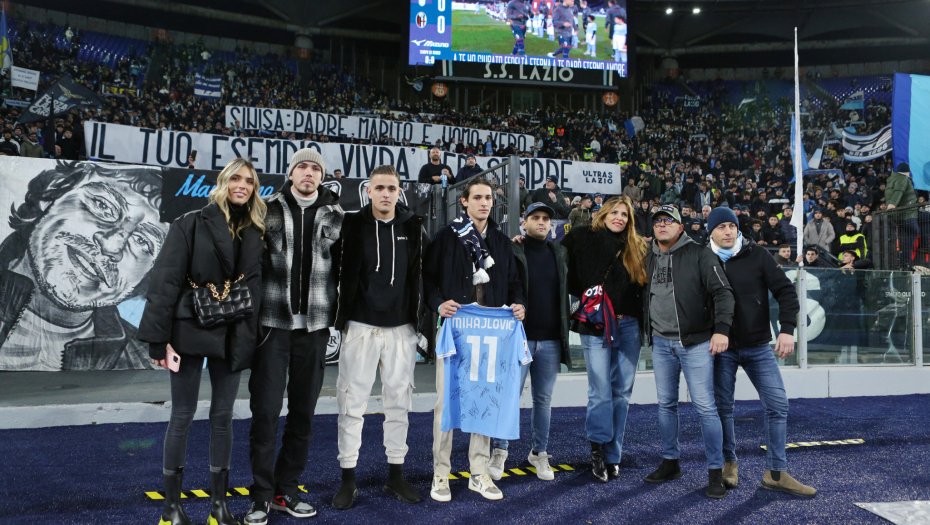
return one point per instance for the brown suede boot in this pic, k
(730, 478)
(783, 482)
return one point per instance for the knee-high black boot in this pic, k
(173, 514)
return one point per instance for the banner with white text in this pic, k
(128, 144)
(349, 127)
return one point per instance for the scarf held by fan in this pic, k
(474, 244)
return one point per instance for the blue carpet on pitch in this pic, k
(99, 474)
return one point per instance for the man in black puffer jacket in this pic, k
(753, 273)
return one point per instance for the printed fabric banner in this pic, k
(210, 87)
(24, 78)
(73, 302)
(346, 126)
(170, 149)
(860, 148)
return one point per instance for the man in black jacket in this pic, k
(753, 273)
(432, 171)
(469, 170)
(378, 313)
(299, 277)
(551, 196)
(543, 270)
(451, 277)
(685, 338)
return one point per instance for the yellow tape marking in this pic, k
(154, 495)
(565, 467)
(243, 491)
(518, 472)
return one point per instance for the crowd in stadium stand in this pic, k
(699, 158)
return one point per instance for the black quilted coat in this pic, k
(199, 245)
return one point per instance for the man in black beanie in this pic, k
(753, 273)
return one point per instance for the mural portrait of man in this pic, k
(84, 239)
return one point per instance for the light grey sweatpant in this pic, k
(479, 448)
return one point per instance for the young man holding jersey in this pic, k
(469, 261)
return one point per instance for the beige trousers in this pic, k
(479, 448)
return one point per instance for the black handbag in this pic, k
(215, 309)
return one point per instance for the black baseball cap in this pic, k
(537, 206)
(669, 210)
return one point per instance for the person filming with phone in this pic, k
(206, 306)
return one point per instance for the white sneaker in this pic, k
(541, 463)
(496, 465)
(440, 490)
(551, 55)
(485, 486)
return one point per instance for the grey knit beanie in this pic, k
(306, 155)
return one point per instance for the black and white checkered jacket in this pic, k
(276, 270)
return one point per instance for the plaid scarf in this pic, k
(481, 259)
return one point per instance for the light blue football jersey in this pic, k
(483, 349)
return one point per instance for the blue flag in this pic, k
(6, 48)
(633, 125)
(210, 87)
(797, 156)
(910, 126)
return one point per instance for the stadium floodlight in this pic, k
(668, 11)
(696, 10)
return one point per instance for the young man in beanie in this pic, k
(683, 273)
(299, 274)
(469, 170)
(753, 273)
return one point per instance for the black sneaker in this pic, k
(258, 513)
(715, 487)
(293, 505)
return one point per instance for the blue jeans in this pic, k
(611, 372)
(762, 369)
(547, 358)
(669, 360)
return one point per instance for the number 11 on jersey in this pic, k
(475, 342)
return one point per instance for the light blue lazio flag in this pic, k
(6, 48)
(797, 156)
(910, 126)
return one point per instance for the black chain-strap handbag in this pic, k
(215, 309)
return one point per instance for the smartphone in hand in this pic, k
(174, 360)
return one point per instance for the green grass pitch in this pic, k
(482, 34)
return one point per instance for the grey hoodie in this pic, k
(662, 309)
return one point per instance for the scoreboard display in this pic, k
(532, 35)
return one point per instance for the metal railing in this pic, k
(446, 202)
(901, 238)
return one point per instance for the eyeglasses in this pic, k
(666, 220)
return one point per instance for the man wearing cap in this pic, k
(853, 240)
(542, 265)
(469, 170)
(598, 202)
(696, 232)
(753, 273)
(551, 196)
(819, 231)
(299, 274)
(582, 214)
(685, 339)
(899, 191)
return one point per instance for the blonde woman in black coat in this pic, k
(221, 243)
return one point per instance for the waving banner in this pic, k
(118, 143)
(860, 148)
(349, 127)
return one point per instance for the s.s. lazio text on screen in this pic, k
(129, 144)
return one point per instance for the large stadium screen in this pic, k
(562, 33)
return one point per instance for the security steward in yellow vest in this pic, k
(853, 240)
